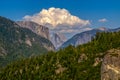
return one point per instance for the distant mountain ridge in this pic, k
(38, 29)
(85, 37)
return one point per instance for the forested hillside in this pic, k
(17, 42)
(72, 63)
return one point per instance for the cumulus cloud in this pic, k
(57, 19)
(103, 20)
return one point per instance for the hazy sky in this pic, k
(82, 13)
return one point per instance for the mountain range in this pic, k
(27, 51)
(59, 40)
(96, 60)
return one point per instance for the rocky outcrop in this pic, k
(36, 28)
(82, 58)
(110, 69)
(60, 69)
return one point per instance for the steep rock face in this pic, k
(83, 37)
(58, 39)
(36, 28)
(110, 69)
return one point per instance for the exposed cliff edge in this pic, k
(110, 69)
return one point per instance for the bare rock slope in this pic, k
(110, 69)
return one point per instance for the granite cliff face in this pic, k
(58, 39)
(110, 69)
(36, 28)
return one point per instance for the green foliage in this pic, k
(44, 67)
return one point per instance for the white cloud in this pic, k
(59, 20)
(55, 17)
(103, 20)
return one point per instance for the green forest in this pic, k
(71, 63)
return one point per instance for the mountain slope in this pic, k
(38, 29)
(17, 42)
(72, 63)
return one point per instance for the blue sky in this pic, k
(92, 10)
